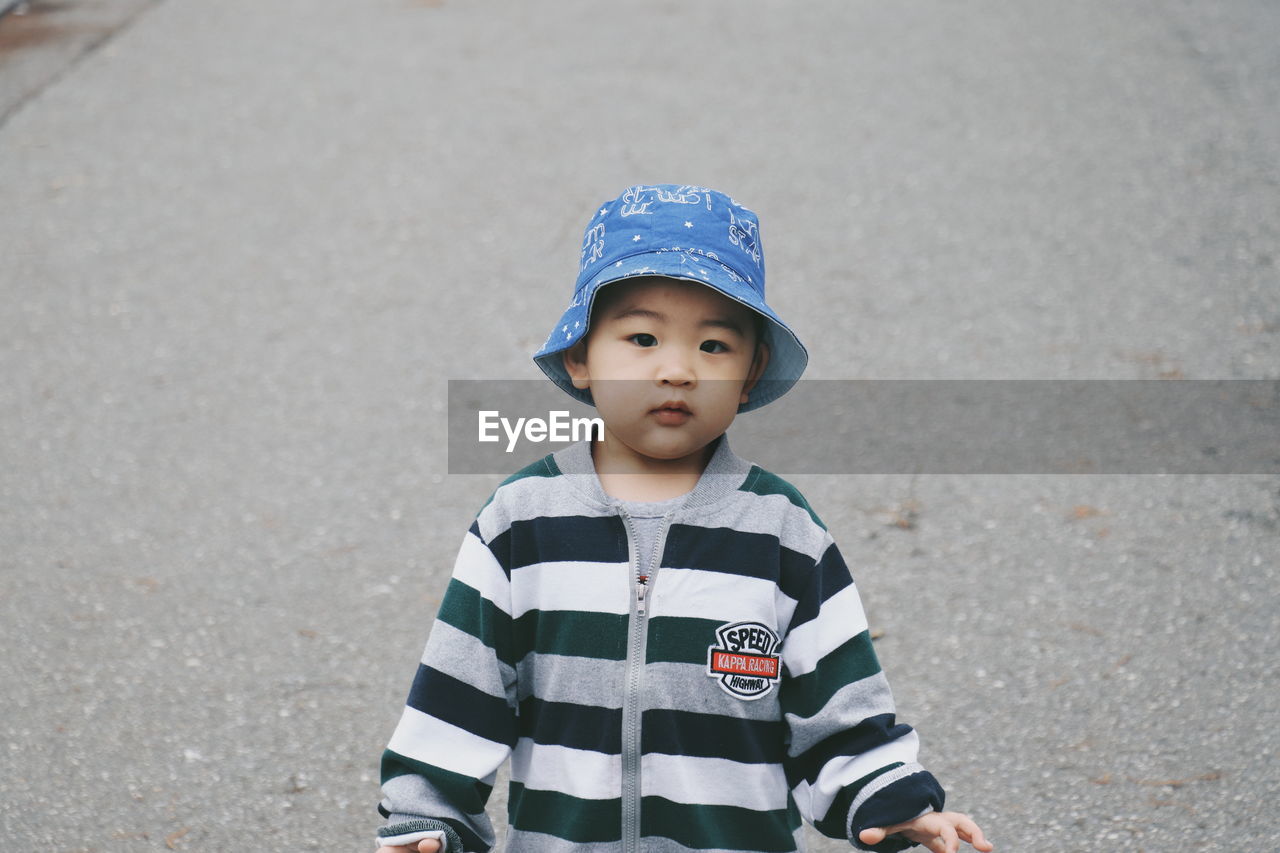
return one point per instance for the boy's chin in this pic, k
(663, 451)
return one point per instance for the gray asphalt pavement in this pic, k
(243, 246)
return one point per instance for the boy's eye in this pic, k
(714, 346)
(644, 339)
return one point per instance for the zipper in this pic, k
(642, 583)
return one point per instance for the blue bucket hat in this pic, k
(681, 232)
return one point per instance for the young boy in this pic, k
(662, 635)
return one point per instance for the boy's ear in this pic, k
(575, 362)
(758, 364)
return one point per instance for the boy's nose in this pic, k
(676, 369)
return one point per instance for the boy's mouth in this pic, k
(672, 412)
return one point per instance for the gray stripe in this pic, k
(654, 844)
(748, 512)
(582, 681)
(714, 502)
(875, 786)
(410, 797)
(535, 497)
(522, 841)
(599, 683)
(456, 653)
(724, 473)
(686, 686)
(847, 707)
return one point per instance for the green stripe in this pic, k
(570, 632)
(725, 827)
(467, 610)
(809, 693)
(573, 819)
(468, 794)
(544, 467)
(680, 639)
(762, 482)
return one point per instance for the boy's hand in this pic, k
(426, 845)
(940, 832)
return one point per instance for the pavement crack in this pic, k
(29, 24)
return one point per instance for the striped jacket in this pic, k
(708, 702)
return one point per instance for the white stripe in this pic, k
(580, 773)
(590, 587)
(478, 569)
(840, 618)
(432, 741)
(841, 771)
(785, 607)
(713, 781)
(723, 597)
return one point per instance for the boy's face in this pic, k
(667, 362)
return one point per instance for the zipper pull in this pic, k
(642, 585)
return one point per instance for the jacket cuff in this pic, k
(902, 794)
(410, 832)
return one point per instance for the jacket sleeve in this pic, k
(850, 765)
(458, 724)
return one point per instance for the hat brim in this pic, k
(787, 356)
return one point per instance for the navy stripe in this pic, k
(713, 736)
(866, 735)
(723, 549)
(552, 539)
(474, 530)
(444, 697)
(470, 840)
(898, 802)
(574, 726)
(795, 574)
(829, 577)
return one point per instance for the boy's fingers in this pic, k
(951, 838)
(426, 845)
(871, 836)
(972, 833)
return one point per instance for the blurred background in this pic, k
(243, 247)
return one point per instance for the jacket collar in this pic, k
(724, 473)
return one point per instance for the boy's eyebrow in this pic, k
(637, 311)
(721, 322)
(724, 323)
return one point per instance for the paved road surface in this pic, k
(243, 246)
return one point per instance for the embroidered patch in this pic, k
(745, 660)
